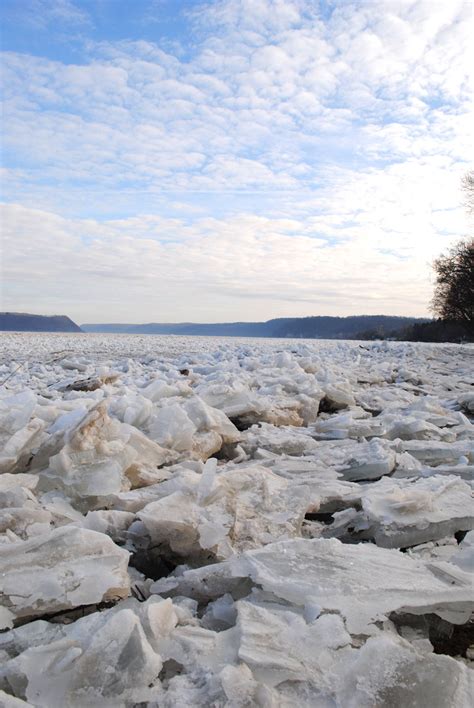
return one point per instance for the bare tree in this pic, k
(468, 189)
(454, 292)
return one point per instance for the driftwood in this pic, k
(92, 383)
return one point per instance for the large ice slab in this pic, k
(279, 440)
(402, 515)
(439, 453)
(313, 662)
(399, 513)
(59, 570)
(362, 582)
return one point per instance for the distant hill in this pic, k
(357, 327)
(24, 322)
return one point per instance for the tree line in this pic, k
(453, 299)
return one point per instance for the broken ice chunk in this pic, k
(20, 511)
(103, 659)
(207, 418)
(93, 460)
(207, 480)
(112, 523)
(96, 457)
(412, 428)
(244, 508)
(362, 582)
(281, 440)
(19, 432)
(388, 671)
(10, 481)
(59, 570)
(464, 555)
(434, 452)
(171, 427)
(278, 644)
(15, 412)
(368, 461)
(337, 397)
(241, 689)
(402, 514)
(7, 701)
(192, 427)
(466, 402)
(220, 614)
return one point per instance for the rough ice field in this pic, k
(235, 523)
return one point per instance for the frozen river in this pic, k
(235, 522)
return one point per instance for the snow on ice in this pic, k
(235, 522)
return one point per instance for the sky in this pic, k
(173, 160)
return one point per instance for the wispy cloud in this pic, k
(42, 14)
(163, 269)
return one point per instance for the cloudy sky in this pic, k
(172, 160)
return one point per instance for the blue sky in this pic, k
(235, 159)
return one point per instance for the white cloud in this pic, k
(42, 14)
(212, 269)
(353, 125)
(366, 70)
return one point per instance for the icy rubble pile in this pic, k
(235, 523)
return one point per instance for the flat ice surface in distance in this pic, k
(235, 522)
